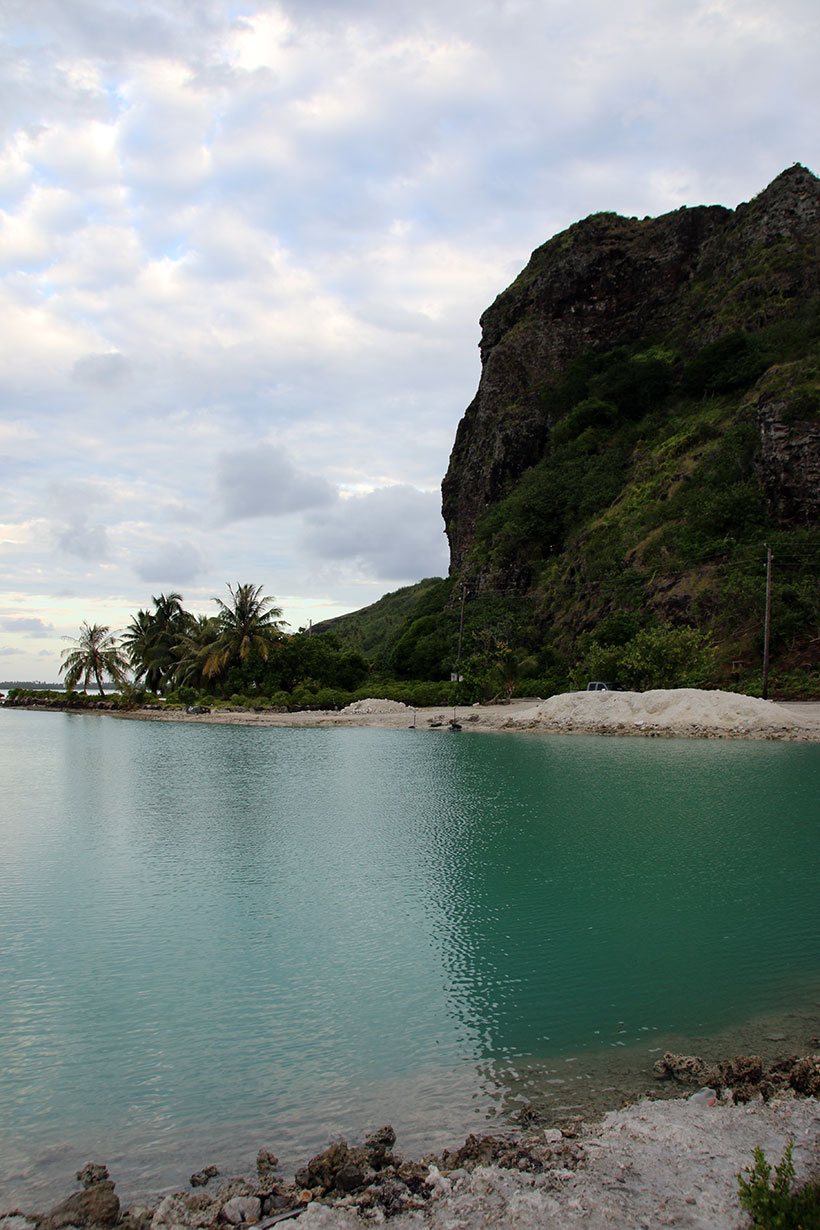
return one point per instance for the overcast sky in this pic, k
(244, 248)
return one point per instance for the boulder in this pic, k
(97, 1205)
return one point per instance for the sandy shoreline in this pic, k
(679, 713)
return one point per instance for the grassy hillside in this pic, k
(373, 629)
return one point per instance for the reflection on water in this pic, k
(216, 938)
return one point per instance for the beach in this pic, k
(669, 713)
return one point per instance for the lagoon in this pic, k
(215, 938)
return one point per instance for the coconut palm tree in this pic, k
(96, 651)
(152, 639)
(249, 623)
(193, 650)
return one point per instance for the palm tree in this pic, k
(96, 652)
(193, 649)
(249, 623)
(152, 640)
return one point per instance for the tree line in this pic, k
(243, 648)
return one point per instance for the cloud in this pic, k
(174, 563)
(30, 626)
(105, 370)
(263, 482)
(85, 540)
(7, 651)
(394, 533)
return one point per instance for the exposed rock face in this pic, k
(694, 276)
(789, 448)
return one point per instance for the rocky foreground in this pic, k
(657, 1163)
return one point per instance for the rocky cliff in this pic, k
(626, 318)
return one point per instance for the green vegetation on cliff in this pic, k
(647, 423)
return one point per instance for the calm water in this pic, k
(216, 938)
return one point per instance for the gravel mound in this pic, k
(374, 705)
(684, 711)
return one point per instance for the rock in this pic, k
(349, 1177)
(688, 1069)
(805, 1076)
(266, 1164)
(97, 1205)
(242, 1209)
(91, 1173)
(200, 1177)
(16, 1221)
(741, 1070)
(138, 1217)
(277, 1201)
(341, 1165)
(187, 1209)
(379, 1144)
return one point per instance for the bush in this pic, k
(776, 1205)
(656, 657)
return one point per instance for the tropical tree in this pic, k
(193, 650)
(152, 640)
(96, 651)
(249, 623)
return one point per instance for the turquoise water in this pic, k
(214, 938)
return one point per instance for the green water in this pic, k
(214, 938)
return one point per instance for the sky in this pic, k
(244, 248)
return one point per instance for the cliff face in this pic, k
(675, 286)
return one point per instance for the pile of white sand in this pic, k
(685, 711)
(374, 705)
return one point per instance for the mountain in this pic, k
(647, 422)
(661, 290)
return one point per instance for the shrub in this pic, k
(777, 1205)
(656, 657)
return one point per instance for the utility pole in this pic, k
(767, 623)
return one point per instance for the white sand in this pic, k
(673, 711)
(374, 704)
(651, 1165)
